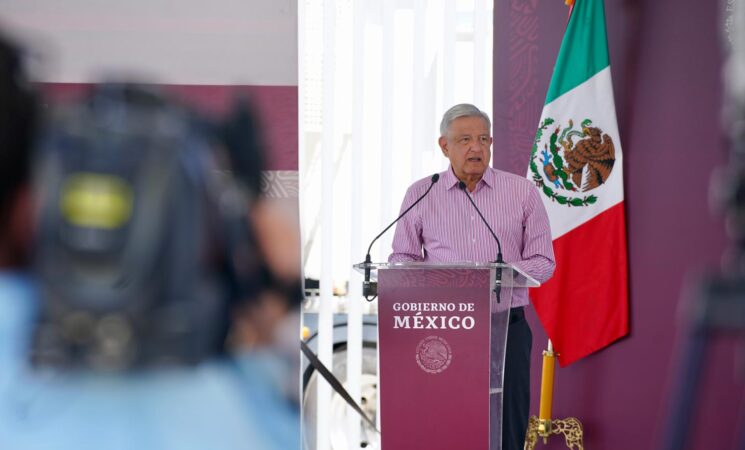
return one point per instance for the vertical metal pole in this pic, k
(387, 210)
(325, 315)
(448, 54)
(354, 296)
(419, 114)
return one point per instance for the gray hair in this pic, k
(461, 110)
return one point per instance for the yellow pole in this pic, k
(543, 425)
(547, 393)
(547, 383)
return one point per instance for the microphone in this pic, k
(370, 288)
(499, 260)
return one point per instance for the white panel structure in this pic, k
(396, 66)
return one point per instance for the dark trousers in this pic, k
(516, 382)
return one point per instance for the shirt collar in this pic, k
(490, 177)
(450, 180)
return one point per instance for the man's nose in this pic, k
(476, 146)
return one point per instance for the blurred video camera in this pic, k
(715, 302)
(143, 245)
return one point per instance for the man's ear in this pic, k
(443, 146)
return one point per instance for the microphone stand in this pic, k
(498, 270)
(370, 288)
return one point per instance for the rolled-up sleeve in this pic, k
(538, 251)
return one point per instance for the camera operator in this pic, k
(133, 374)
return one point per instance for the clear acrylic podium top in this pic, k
(510, 276)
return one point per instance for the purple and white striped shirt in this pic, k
(445, 227)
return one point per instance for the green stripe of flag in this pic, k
(584, 50)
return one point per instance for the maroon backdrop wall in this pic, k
(666, 62)
(277, 107)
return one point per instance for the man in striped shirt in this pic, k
(445, 227)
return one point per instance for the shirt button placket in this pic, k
(473, 233)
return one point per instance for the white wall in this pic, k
(245, 42)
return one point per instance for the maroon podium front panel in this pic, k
(434, 327)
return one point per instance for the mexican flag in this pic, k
(577, 164)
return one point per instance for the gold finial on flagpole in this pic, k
(569, 2)
(543, 426)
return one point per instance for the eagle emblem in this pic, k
(433, 354)
(572, 161)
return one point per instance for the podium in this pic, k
(442, 330)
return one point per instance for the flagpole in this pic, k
(543, 426)
(547, 388)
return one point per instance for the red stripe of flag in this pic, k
(584, 306)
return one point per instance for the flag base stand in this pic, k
(543, 426)
(570, 427)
